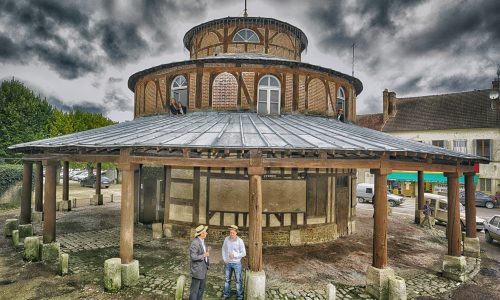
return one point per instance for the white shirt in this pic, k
(203, 245)
(236, 247)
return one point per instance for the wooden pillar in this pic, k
(420, 196)
(470, 205)
(453, 225)
(65, 195)
(196, 195)
(98, 179)
(38, 186)
(380, 219)
(26, 193)
(168, 182)
(127, 212)
(255, 219)
(49, 207)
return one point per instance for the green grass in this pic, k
(8, 206)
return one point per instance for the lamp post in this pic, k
(495, 94)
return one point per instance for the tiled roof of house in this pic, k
(372, 121)
(449, 111)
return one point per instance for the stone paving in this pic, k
(162, 261)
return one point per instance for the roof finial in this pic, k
(245, 14)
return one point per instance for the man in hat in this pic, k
(233, 250)
(199, 253)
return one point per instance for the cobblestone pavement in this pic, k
(91, 235)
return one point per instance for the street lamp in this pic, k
(494, 94)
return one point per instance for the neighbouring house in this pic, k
(466, 122)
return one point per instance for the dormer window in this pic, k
(341, 99)
(246, 36)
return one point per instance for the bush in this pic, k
(9, 175)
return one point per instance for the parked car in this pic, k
(439, 205)
(80, 176)
(481, 200)
(365, 192)
(492, 229)
(91, 180)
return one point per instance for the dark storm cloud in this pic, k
(84, 106)
(116, 100)
(410, 85)
(76, 38)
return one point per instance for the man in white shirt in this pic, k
(233, 250)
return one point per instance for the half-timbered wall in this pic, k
(302, 90)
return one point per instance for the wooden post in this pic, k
(470, 205)
(255, 171)
(380, 219)
(168, 182)
(196, 195)
(453, 225)
(49, 207)
(26, 193)
(420, 196)
(65, 181)
(127, 211)
(38, 186)
(98, 179)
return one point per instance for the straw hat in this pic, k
(233, 227)
(200, 229)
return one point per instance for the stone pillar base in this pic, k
(351, 226)
(50, 251)
(31, 248)
(167, 230)
(454, 267)
(377, 282)
(130, 273)
(397, 288)
(255, 285)
(179, 288)
(10, 225)
(331, 292)
(65, 205)
(25, 230)
(37, 216)
(15, 238)
(113, 274)
(472, 247)
(157, 230)
(97, 200)
(63, 265)
(295, 238)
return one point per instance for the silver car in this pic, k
(492, 229)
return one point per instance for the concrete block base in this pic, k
(31, 248)
(472, 247)
(37, 216)
(97, 200)
(167, 230)
(113, 274)
(63, 266)
(130, 273)
(10, 225)
(454, 267)
(377, 282)
(157, 230)
(25, 230)
(255, 285)
(50, 251)
(15, 238)
(295, 238)
(397, 288)
(331, 292)
(179, 289)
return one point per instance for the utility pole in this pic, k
(353, 46)
(245, 14)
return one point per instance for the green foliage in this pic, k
(25, 117)
(9, 206)
(9, 175)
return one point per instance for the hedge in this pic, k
(9, 175)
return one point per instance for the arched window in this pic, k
(178, 90)
(246, 36)
(269, 95)
(341, 99)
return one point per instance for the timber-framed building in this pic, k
(259, 146)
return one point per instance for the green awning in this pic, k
(428, 177)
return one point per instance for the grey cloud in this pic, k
(460, 83)
(121, 41)
(410, 85)
(116, 100)
(114, 79)
(8, 49)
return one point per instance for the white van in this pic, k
(439, 205)
(366, 191)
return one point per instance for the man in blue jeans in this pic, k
(233, 250)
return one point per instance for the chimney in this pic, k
(386, 104)
(392, 104)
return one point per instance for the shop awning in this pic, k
(428, 177)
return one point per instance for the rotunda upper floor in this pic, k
(246, 35)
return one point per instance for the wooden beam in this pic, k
(420, 196)
(453, 224)
(380, 219)
(470, 205)
(26, 193)
(65, 195)
(196, 195)
(255, 226)
(49, 207)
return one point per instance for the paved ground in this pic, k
(90, 235)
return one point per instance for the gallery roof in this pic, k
(239, 131)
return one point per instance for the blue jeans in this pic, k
(229, 268)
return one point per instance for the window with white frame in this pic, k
(439, 143)
(341, 99)
(483, 148)
(460, 146)
(269, 95)
(246, 36)
(485, 184)
(178, 89)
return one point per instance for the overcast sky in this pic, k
(80, 54)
